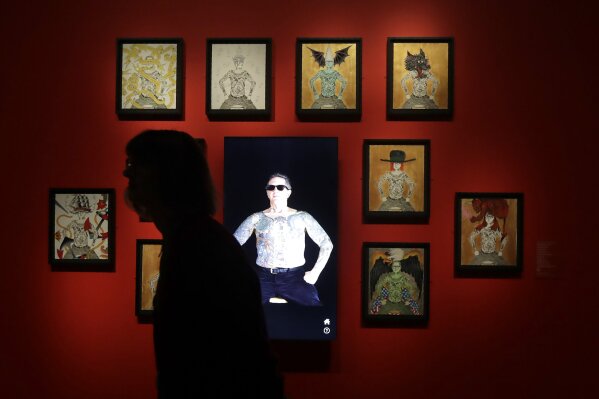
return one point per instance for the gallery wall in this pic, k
(524, 73)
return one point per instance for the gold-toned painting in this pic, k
(148, 272)
(396, 180)
(420, 75)
(328, 77)
(488, 232)
(395, 281)
(149, 77)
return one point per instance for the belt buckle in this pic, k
(273, 270)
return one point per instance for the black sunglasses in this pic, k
(279, 187)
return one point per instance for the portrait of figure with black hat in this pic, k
(398, 184)
(396, 180)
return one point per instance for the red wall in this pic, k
(524, 80)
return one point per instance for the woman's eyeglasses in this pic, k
(279, 187)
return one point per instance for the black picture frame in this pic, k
(222, 56)
(395, 297)
(436, 103)
(311, 54)
(149, 82)
(147, 273)
(81, 234)
(411, 183)
(488, 248)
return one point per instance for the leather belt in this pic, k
(277, 270)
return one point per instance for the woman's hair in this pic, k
(183, 181)
(494, 226)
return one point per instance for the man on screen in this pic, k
(280, 243)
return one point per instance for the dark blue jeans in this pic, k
(289, 285)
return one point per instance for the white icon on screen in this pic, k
(327, 322)
(327, 330)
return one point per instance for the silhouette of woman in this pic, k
(210, 337)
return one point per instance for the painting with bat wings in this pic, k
(328, 78)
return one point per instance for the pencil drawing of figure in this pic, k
(328, 97)
(400, 186)
(419, 72)
(241, 86)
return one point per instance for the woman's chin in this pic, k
(141, 210)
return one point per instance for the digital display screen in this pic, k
(289, 249)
